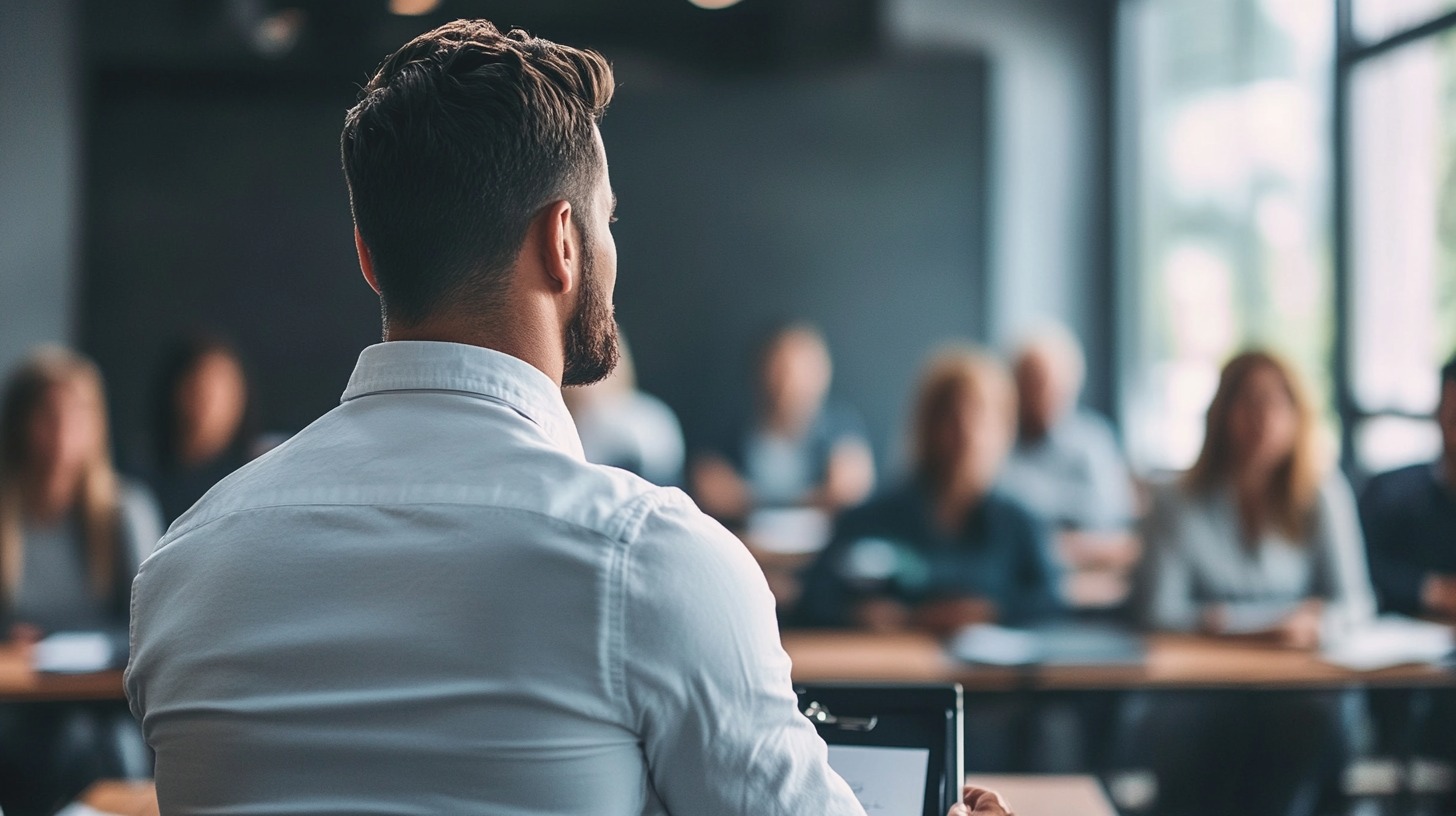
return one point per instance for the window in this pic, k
(1229, 154)
(1401, 212)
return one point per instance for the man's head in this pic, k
(471, 156)
(794, 374)
(1446, 409)
(1049, 370)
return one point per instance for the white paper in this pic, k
(996, 645)
(82, 809)
(887, 781)
(73, 652)
(1391, 641)
(789, 530)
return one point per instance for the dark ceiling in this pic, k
(348, 37)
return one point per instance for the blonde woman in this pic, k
(71, 532)
(943, 550)
(1259, 539)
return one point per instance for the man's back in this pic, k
(428, 602)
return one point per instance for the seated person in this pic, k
(627, 428)
(1409, 517)
(944, 549)
(1066, 467)
(203, 423)
(1259, 539)
(799, 450)
(71, 534)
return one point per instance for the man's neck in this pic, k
(534, 347)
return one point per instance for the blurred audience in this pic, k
(944, 549)
(203, 427)
(1410, 524)
(1067, 467)
(1259, 539)
(71, 536)
(800, 449)
(627, 428)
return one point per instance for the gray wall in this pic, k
(852, 197)
(39, 173)
(1050, 229)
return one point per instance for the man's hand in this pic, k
(980, 802)
(1438, 595)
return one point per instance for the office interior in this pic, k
(1168, 183)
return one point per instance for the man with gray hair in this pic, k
(1067, 466)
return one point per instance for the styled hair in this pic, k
(1297, 480)
(25, 394)
(951, 376)
(181, 360)
(456, 143)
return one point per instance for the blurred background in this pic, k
(1173, 179)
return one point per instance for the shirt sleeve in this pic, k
(1110, 480)
(1165, 579)
(707, 683)
(1342, 578)
(1397, 581)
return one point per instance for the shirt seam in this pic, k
(632, 517)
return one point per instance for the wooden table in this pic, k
(122, 798)
(1030, 795)
(1173, 662)
(21, 683)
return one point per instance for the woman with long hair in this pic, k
(71, 532)
(1259, 539)
(71, 536)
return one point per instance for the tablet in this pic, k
(899, 747)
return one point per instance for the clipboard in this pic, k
(892, 730)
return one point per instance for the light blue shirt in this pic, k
(429, 602)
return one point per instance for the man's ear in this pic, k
(558, 246)
(366, 261)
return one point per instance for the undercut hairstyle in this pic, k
(457, 142)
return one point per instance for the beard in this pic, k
(591, 335)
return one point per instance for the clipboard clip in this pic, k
(819, 715)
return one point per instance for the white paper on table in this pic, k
(82, 809)
(887, 781)
(1391, 640)
(73, 652)
(789, 530)
(996, 645)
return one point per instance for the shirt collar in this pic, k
(418, 365)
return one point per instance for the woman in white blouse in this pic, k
(1260, 539)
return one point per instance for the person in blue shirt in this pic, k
(944, 549)
(800, 450)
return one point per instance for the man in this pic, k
(1410, 525)
(800, 450)
(428, 601)
(1067, 468)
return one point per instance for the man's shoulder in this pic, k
(1399, 486)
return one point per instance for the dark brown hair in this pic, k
(457, 142)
